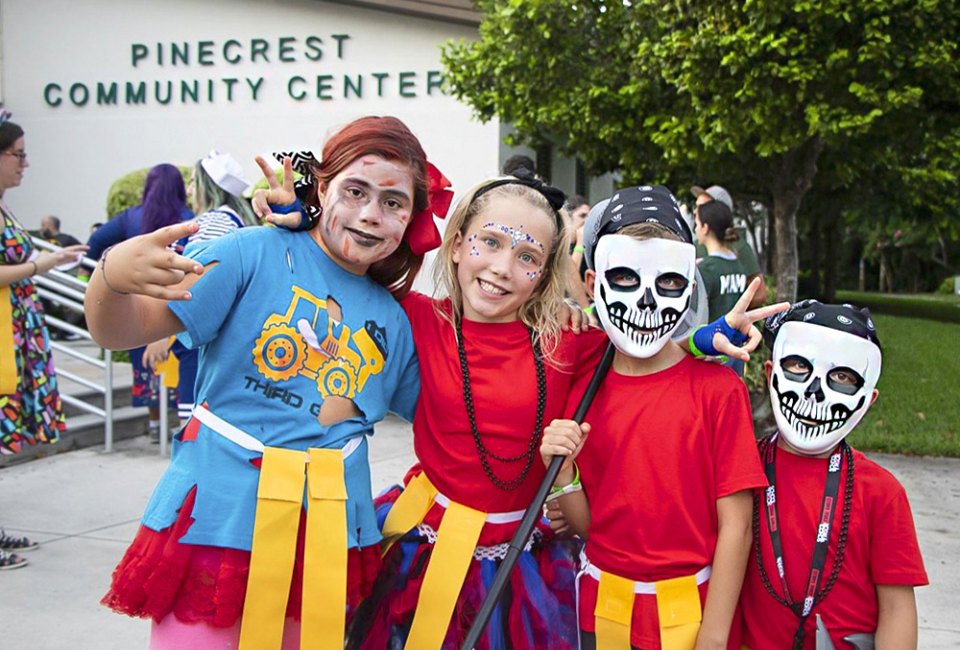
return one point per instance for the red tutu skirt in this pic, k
(159, 575)
(537, 610)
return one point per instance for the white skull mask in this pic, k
(821, 384)
(642, 290)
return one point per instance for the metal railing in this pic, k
(62, 288)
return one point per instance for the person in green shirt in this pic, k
(743, 250)
(724, 274)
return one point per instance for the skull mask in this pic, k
(821, 384)
(642, 290)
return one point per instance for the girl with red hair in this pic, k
(262, 530)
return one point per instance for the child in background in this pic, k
(164, 204)
(667, 471)
(830, 543)
(216, 191)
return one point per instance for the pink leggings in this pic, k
(171, 634)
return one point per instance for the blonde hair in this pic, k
(543, 311)
(647, 230)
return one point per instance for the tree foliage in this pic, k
(752, 94)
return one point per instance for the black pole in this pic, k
(532, 515)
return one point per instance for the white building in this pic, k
(103, 88)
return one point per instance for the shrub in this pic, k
(948, 286)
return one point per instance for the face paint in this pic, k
(495, 259)
(821, 384)
(366, 209)
(642, 290)
(516, 235)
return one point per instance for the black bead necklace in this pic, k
(796, 607)
(485, 454)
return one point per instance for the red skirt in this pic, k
(159, 575)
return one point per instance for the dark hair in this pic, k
(718, 219)
(9, 133)
(54, 221)
(164, 198)
(388, 138)
(575, 201)
(515, 162)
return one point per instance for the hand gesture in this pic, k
(47, 260)
(145, 265)
(742, 320)
(277, 195)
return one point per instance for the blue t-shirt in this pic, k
(280, 329)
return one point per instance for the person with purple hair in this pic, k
(164, 204)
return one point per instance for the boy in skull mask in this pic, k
(670, 466)
(844, 542)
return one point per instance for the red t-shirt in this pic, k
(503, 382)
(663, 448)
(881, 549)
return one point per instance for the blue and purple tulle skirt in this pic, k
(536, 612)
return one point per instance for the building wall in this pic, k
(258, 77)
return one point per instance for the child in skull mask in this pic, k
(845, 542)
(669, 468)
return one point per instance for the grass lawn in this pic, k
(918, 411)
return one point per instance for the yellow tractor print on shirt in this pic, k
(341, 363)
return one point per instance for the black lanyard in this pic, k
(825, 523)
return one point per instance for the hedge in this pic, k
(938, 308)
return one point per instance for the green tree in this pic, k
(749, 93)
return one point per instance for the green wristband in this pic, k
(694, 350)
(572, 486)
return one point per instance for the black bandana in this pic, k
(523, 176)
(844, 318)
(644, 204)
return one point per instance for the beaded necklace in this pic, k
(803, 608)
(485, 454)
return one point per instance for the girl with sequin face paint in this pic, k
(501, 254)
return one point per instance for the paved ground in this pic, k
(83, 507)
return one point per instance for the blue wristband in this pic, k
(703, 337)
(288, 208)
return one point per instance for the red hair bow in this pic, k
(422, 234)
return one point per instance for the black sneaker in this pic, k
(11, 561)
(10, 543)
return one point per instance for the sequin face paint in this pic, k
(500, 258)
(366, 209)
(516, 235)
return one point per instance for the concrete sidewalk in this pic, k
(84, 506)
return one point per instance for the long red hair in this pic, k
(388, 138)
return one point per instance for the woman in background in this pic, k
(30, 410)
